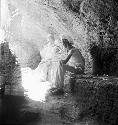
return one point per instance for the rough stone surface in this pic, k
(94, 102)
(86, 21)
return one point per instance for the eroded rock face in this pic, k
(86, 21)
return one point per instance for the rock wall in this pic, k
(86, 21)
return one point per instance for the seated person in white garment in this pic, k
(48, 54)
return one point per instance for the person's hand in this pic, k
(62, 61)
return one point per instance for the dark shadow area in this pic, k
(107, 104)
(12, 113)
(72, 5)
(105, 60)
(97, 99)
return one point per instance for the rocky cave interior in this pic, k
(93, 26)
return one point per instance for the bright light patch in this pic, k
(2, 35)
(31, 81)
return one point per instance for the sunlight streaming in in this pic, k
(2, 35)
(31, 81)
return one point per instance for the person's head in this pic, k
(67, 44)
(51, 38)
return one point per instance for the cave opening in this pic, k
(105, 60)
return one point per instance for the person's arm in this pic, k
(66, 60)
(68, 57)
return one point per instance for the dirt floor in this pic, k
(57, 111)
(93, 103)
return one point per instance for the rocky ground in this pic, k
(94, 102)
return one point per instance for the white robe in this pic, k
(49, 67)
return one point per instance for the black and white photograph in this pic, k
(58, 62)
